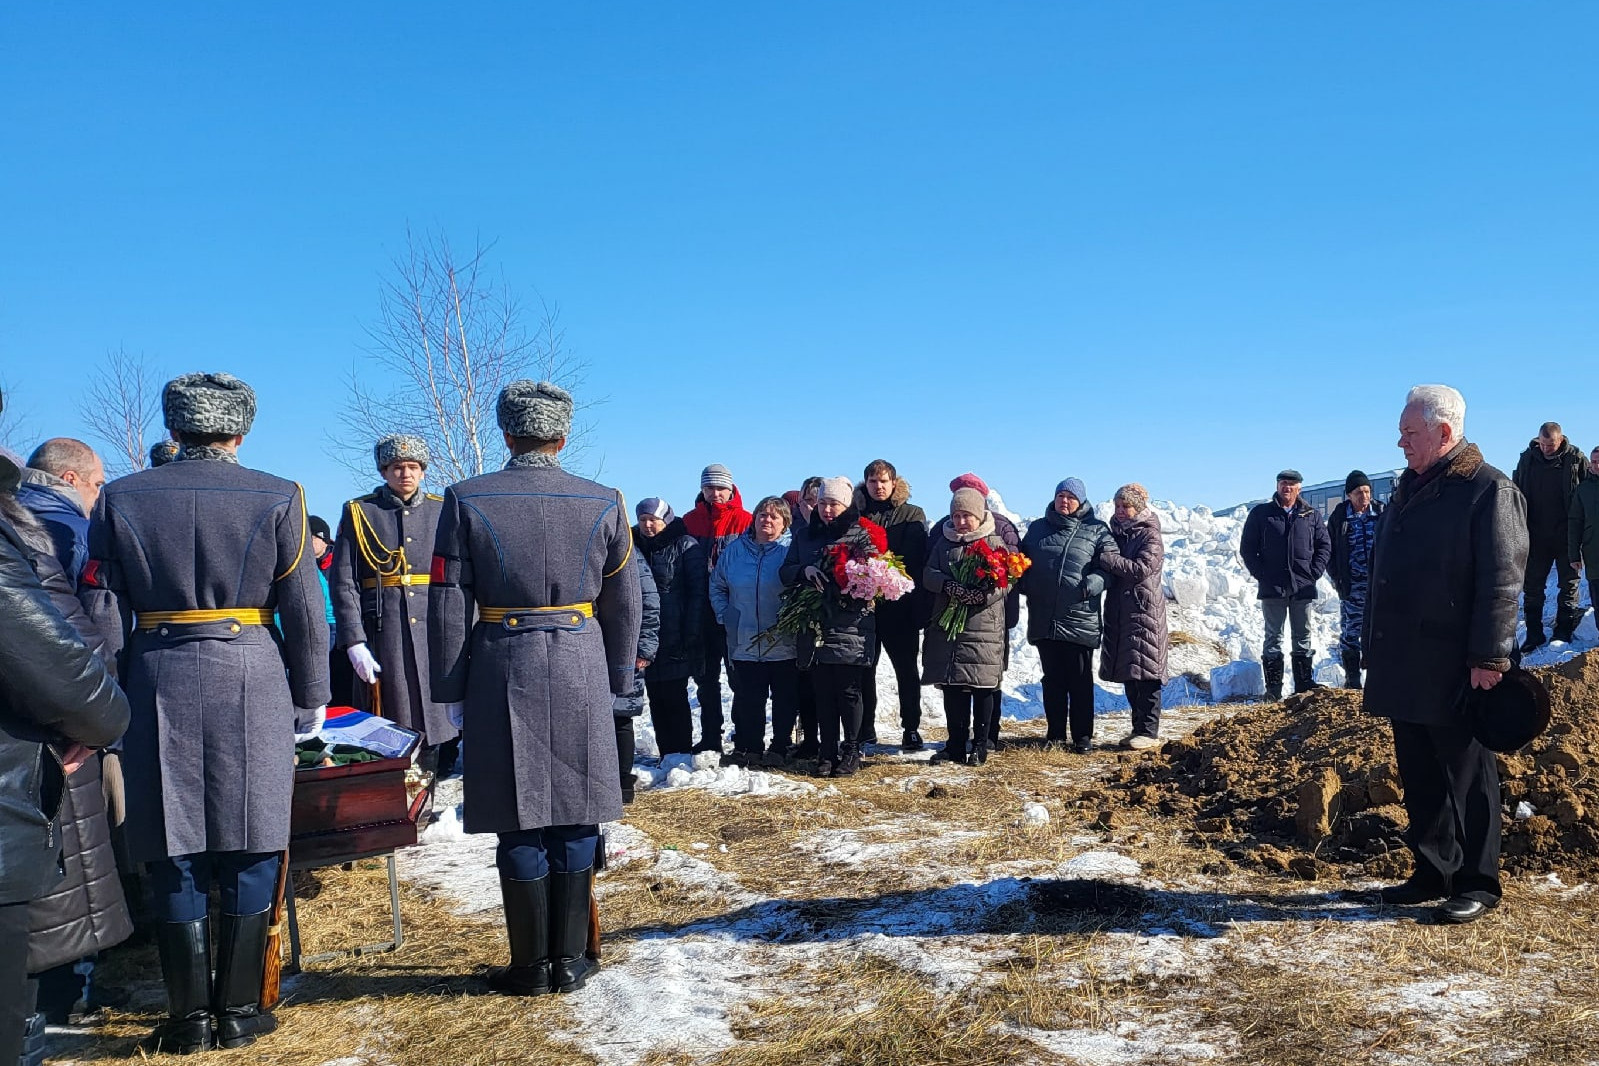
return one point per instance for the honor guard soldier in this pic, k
(535, 626)
(204, 567)
(380, 597)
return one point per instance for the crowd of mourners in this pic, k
(161, 659)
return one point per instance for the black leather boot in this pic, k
(236, 993)
(185, 949)
(570, 964)
(1273, 669)
(1351, 669)
(33, 1041)
(527, 927)
(1305, 673)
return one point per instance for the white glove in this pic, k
(307, 724)
(456, 712)
(366, 667)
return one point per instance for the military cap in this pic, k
(208, 404)
(539, 410)
(398, 446)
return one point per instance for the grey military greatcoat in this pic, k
(381, 561)
(208, 760)
(540, 744)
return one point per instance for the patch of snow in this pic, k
(1035, 814)
(1092, 864)
(704, 770)
(847, 847)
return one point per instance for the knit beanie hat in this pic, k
(397, 446)
(536, 410)
(969, 500)
(208, 405)
(319, 527)
(1356, 479)
(1074, 486)
(970, 480)
(656, 507)
(716, 476)
(841, 489)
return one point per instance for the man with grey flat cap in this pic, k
(1285, 548)
(204, 568)
(534, 628)
(379, 583)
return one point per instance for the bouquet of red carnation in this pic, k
(981, 568)
(858, 569)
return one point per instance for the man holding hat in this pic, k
(1353, 531)
(534, 629)
(1286, 549)
(717, 518)
(380, 598)
(1440, 622)
(205, 568)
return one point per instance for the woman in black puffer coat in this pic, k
(1135, 613)
(1063, 590)
(682, 583)
(839, 659)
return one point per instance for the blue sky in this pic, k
(1185, 244)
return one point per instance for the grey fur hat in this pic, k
(397, 446)
(208, 404)
(163, 452)
(539, 410)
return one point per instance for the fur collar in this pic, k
(1462, 464)
(533, 461)
(866, 505)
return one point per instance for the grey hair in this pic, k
(61, 454)
(1440, 404)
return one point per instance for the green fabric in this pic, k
(309, 754)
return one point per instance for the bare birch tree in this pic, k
(449, 334)
(121, 407)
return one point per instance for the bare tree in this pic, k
(449, 334)
(15, 426)
(122, 402)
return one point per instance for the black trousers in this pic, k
(807, 707)
(1542, 553)
(1451, 785)
(901, 645)
(756, 682)
(708, 683)
(968, 712)
(839, 704)
(624, 749)
(671, 715)
(16, 991)
(1144, 698)
(1068, 689)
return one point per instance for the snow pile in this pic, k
(704, 770)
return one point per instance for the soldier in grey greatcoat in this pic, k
(535, 627)
(381, 563)
(205, 569)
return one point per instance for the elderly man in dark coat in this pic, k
(1440, 620)
(380, 598)
(539, 556)
(205, 566)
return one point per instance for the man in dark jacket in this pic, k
(204, 566)
(63, 480)
(717, 517)
(627, 707)
(1286, 549)
(1582, 527)
(884, 497)
(1353, 532)
(1547, 475)
(54, 692)
(1440, 620)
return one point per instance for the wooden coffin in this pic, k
(344, 813)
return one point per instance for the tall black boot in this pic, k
(33, 1041)
(236, 993)
(570, 964)
(527, 927)
(185, 949)
(1273, 668)
(1304, 673)
(1351, 669)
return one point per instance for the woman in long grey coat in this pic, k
(1134, 651)
(969, 667)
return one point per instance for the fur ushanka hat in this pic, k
(538, 410)
(398, 446)
(208, 405)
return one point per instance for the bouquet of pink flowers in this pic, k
(860, 567)
(881, 577)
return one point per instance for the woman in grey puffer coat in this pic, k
(969, 667)
(1134, 652)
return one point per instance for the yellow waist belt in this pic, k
(507, 614)
(248, 616)
(391, 581)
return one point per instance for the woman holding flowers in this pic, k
(1135, 613)
(838, 567)
(963, 652)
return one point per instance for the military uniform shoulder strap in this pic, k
(432, 496)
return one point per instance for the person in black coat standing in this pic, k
(1440, 621)
(884, 497)
(677, 564)
(1353, 532)
(1286, 549)
(1548, 474)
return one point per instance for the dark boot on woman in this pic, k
(570, 964)
(185, 949)
(236, 993)
(527, 928)
(1351, 669)
(1304, 673)
(849, 761)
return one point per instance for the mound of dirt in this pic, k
(1309, 786)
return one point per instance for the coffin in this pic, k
(344, 813)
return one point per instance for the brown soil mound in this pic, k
(1308, 785)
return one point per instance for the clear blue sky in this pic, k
(1183, 243)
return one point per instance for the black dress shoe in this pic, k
(1458, 910)
(1411, 893)
(1083, 746)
